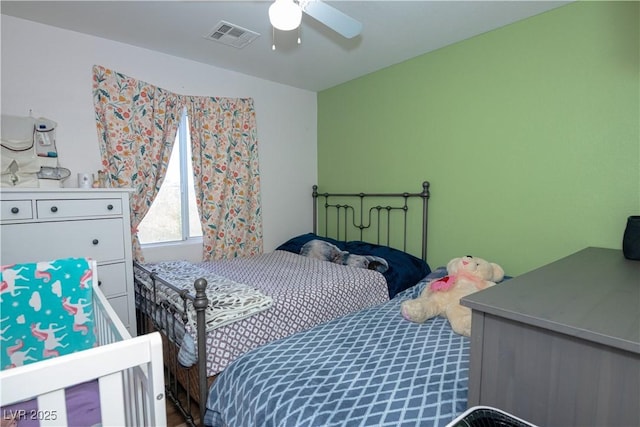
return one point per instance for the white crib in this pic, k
(129, 374)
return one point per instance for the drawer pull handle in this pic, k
(99, 282)
(15, 210)
(95, 241)
(110, 207)
(54, 209)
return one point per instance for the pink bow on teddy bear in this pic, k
(442, 296)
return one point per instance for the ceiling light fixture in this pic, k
(285, 15)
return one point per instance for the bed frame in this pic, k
(343, 216)
(129, 373)
(352, 213)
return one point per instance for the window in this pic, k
(174, 215)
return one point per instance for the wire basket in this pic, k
(485, 416)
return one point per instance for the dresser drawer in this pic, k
(112, 279)
(15, 209)
(121, 307)
(70, 208)
(99, 239)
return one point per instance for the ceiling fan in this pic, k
(286, 15)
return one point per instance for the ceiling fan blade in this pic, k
(332, 18)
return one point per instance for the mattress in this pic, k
(304, 291)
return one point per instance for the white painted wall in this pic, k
(47, 71)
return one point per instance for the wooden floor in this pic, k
(175, 419)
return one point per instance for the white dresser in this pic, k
(44, 224)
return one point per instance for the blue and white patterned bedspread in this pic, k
(370, 368)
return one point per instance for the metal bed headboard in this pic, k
(365, 213)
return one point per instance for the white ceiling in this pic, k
(393, 31)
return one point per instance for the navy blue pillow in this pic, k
(295, 244)
(404, 271)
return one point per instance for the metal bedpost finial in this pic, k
(425, 188)
(200, 301)
(314, 197)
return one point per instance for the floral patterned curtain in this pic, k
(225, 164)
(137, 125)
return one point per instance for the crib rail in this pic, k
(135, 356)
(129, 372)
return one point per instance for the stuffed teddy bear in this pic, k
(441, 297)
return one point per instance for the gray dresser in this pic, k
(560, 345)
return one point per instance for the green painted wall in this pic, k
(529, 135)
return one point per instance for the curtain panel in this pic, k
(137, 124)
(225, 161)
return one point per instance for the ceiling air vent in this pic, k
(231, 35)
